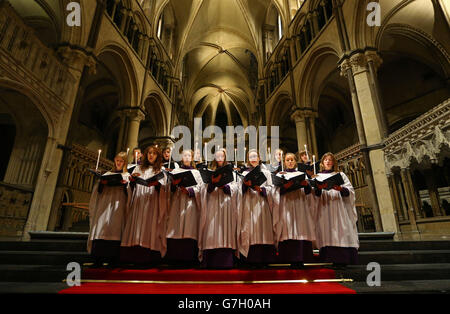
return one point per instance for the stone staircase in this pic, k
(406, 267)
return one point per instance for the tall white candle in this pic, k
(282, 162)
(245, 155)
(206, 154)
(170, 158)
(314, 163)
(270, 156)
(306, 150)
(195, 151)
(98, 159)
(136, 158)
(235, 158)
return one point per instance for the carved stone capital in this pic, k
(298, 116)
(374, 57)
(77, 58)
(134, 114)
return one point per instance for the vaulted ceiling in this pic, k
(219, 49)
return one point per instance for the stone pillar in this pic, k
(312, 116)
(402, 196)
(300, 125)
(125, 19)
(292, 47)
(370, 136)
(414, 197)
(433, 191)
(409, 199)
(113, 13)
(121, 139)
(395, 197)
(315, 23)
(135, 116)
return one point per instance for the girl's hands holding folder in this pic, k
(288, 185)
(184, 190)
(215, 180)
(176, 182)
(337, 188)
(154, 183)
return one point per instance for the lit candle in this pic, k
(136, 158)
(235, 158)
(206, 154)
(195, 151)
(98, 159)
(282, 162)
(170, 158)
(245, 155)
(314, 163)
(128, 151)
(306, 150)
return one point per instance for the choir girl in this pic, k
(137, 156)
(168, 162)
(218, 226)
(256, 238)
(295, 225)
(183, 215)
(337, 235)
(143, 241)
(107, 208)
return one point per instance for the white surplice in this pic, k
(337, 217)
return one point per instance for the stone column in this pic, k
(402, 196)
(121, 139)
(135, 116)
(125, 18)
(113, 13)
(312, 116)
(409, 199)
(433, 191)
(356, 70)
(292, 47)
(300, 125)
(315, 22)
(394, 195)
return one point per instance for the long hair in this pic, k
(124, 157)
(253, 151)
(335, 164)
(214, 165)
(286, 156)
(192, 157)
(158, 162)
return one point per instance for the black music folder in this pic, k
(256, 176)
(153, 179)
(331, 181)
(226, 173)
(281, 180)
(187, 178)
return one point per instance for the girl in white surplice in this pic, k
(183, 215)
(257, 236)
(336, 230)
(107, 208)
(218, 227)
(144, 240)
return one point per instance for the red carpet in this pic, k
(190, 275)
